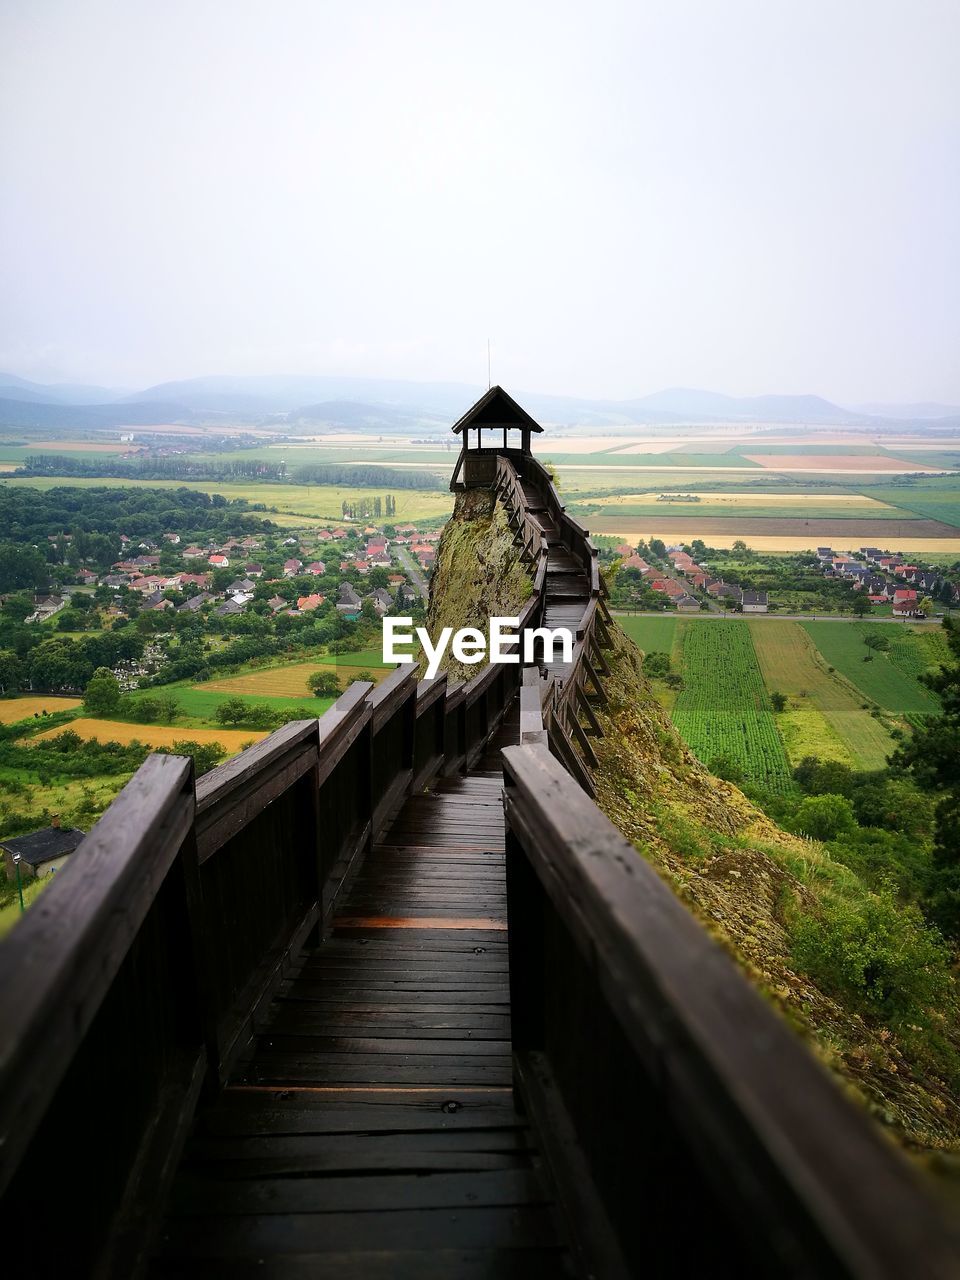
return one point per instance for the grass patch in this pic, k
(882, 680)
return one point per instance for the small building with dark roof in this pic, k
(496, 412)
(41, 852)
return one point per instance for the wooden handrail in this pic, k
(231, 796)
(61, 958)
(752, 1114)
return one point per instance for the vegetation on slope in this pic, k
(478, 573)
(842, 953)
(853, 967)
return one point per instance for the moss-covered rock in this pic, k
(478, 573)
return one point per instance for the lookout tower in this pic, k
(498, 414)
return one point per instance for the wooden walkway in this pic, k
(566, 589)
(372, 1132)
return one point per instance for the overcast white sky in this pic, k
(746, 195)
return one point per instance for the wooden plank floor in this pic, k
(373, 1133)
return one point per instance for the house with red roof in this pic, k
(307, 603)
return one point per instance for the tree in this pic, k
(102, 694)
(324, 684)
(876, 640)
(824, 817)
(233, 711)
(205, 754)
(862, 605)
(11, 671)
(656, 663)
(724, 766)
(925, 606)
(933, 756)
(778, 701)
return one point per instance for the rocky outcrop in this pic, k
(478, 572)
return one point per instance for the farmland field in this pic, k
(723, 708)
(887, 679)
(312, 502)
(199, 704)
(155, 735)
(824, 717)
(650, 634)
(290, 682)
(14, 709)
(792, 665)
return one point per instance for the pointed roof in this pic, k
(496, 409)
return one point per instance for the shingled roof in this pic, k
(41, 846)
(496, 409)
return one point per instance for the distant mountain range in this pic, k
(294, 403)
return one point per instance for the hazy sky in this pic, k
(745, 195)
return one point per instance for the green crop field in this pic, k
(723, 708)
(936, 499)
(311, 502)
(650, 634)
(888, 678)
(825, 717)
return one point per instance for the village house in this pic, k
(195, 603)
(687, 604)
(40, 853)
(382, 600)
(723, 590)
(306, 604)
(753, 601)
(317, 568)
(633, 561)
(219, 561)
(292, 567)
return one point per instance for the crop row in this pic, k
(723, 709)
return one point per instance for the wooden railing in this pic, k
(139, 976)
(568, 704)
(689, 1130)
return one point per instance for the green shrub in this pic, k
(824, 817)
(876, 951)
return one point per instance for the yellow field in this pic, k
(791, 664)
(291, 681)
(14, 709)
(156, 735)
(759, 541)
(807, 732)
(840, 500)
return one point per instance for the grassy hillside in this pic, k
(804, 926)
